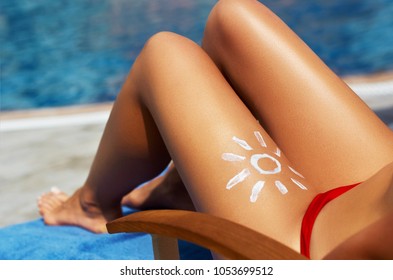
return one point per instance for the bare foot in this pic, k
(163, 192)
(57, 208)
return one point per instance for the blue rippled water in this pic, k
(58, 53)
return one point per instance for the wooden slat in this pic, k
(224, 237)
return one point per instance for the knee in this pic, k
(220, 30)
(229, 20)
(160, 52)
(160, 40)
(165, 55)
(165, 49)
(164, 44)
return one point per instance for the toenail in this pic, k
(55, 190)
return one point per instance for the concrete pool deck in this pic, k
(55, 147)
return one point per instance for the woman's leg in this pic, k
(328, 133)
(230, 165)
(325, 130)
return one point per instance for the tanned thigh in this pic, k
(326, 130)
(353, 211)
(229, 164)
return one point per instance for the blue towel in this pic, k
(35, 241)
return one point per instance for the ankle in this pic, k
(94, 207)
(87, 201)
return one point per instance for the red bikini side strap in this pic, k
(312, 212)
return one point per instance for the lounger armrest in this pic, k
(224, 237)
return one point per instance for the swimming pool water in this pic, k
(58, 53)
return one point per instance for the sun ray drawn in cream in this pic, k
(232, 157)
(240, 177)
(260, 139)
(300, 185)
(281, 187)
(294, 171)
(256, 189)
(242, 143)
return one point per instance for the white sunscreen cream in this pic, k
(281, 187)
(232, 157)
(254, 162)
(300, 185)
(240, 177)
(242, 143)
(294, 171)
(260, 139)
(256, 190)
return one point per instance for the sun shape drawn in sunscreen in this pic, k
(254, 159)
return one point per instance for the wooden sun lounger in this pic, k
(228, 239)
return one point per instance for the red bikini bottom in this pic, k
(312, 212)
